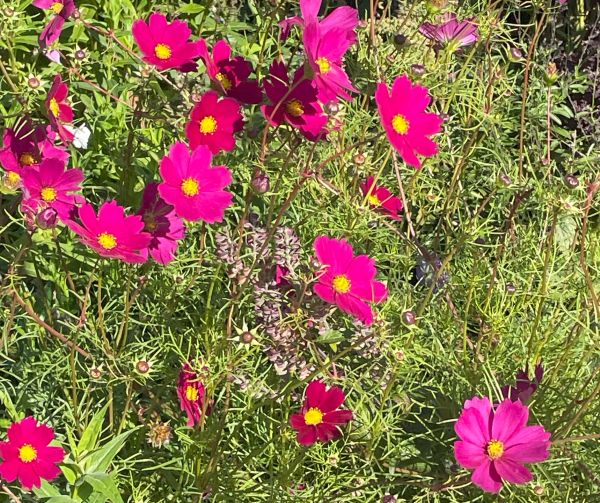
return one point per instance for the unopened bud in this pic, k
(261, 183)
(409, 317)
(143, 367)
(46, 219)
(33, 82)
(551, 75)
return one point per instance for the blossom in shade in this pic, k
(213, 122)
(58, 109)
(192, 395)
(230, 76)
(405, 121)
(162, 223)
(295, 104)
(497, 443)
(192, 186)
(111, 233)
(451, 32)
(166, 45)
(524, 387)
(320, 417)
(62, 10)
(381, 199)
(27, 455)
(346, 280)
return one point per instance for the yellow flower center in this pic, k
(54, 107)
(190, 187)
(374, 200)
(341, 283)
(107, 241)
(57, 7)
(313, 416)
(324, 65)
(208, 125)
(13, 178)
(27, 453)
(225, 82)
(495, 449)
(162, 51)
(400, 124)
(294, 107)
(48, 194)
(191, 393)
(27, 159)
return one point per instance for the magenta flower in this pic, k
(405, 121)
(230, 76)
(161, 222)
(62, 10)
(166, 45)
(111, 233)
(346, 280)
(381, 199)
(192, 395)
(58, 109)
(192, 186)
(295, 104)
(497, 443)
(451, 32)
(525, 387)
(213, 122)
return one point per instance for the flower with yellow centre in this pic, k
(162, 51)
(27, 159)
(341, 283)
(224, 80)
(57, 7)
(54, 108)
(495, 449)
(13, 179)
(48, 194)
(208, 125)
(107, 241)
(27, 453)
(313, 416)
(191, 393)
(400, 124)
(324, 65)
(294, 107)
(190, 187)
(374, 200)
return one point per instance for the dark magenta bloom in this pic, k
(192, 395)
(58, 109)
(63, 10)
(524, 387)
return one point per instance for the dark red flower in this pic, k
(524, 387)
(58, 109)
(191, 393)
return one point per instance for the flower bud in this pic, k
(247, 337)
(359, 159)
(409, 318)
(571, 181)
(47, 219)
(551, 75)
(418, 70)
(95, 373)
(516, 54)
(80, 54)
(400, 39)
(143, 367)
(261, 183)
(33, 82)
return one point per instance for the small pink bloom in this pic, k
(213, 122)
(162, 223)
(525, 387)
(192, 395)
(405, 121)
(58, 109)
(27, 455)
(63, 10)
(192, 186)
(347, 281)
(166, 45)
(381, 199)
(497, 443)
(451, 31)
(320, 417)
(111, 233)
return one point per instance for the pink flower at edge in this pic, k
(497, 443)
(192, 395)
(160, 221)
(63, 10)
(213, 122)
(58, 109)
(381, 199)
(407, 125)
(27, 455)
(451, 32)
(347, 281)
(111, 233)
(320, 417)
(192, 186)
(166, 45)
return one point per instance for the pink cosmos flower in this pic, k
(230, 76)
(58, 109)
(347, 281)
(451, 32)
(166, 45)
(320, 417)
(405, 121)
(192, 395)
(497, 443)
(295, 104)
(111, 234)
(380, 198)
(63, 10)
(213, 122)
(192, 186)
(27, 455)
(161, 222)
(51, 185)
(525, 387)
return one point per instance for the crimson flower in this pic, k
(62, 10)
(192, 395)
(524, 387)
(381, 199)
(58, 109)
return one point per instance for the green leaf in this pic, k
(89, 438)
(100, 460)
(105, 485)
(61, 499)
(46, 490)
(330, 337)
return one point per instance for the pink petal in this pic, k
(315, 392)
(509, 418)
(486, 477)
(469, 455)
(511, 471)
(356, 307)
(307, 436)
(336, 253)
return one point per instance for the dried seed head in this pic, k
(159, 434)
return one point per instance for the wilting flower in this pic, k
(381, 199)
(405, 121)
(159, 434)
(162, 223)
(525, 387)
(58, 109)
(451, 32)
(295, 104)
(230, 75)
(320, 417)
(111, 233)
(191, 394)
(347, 281)
(497, 443)
(62, 10)
(81, 135)
(213, 122)
(192, 186)
(27, 455)
(166, 45)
